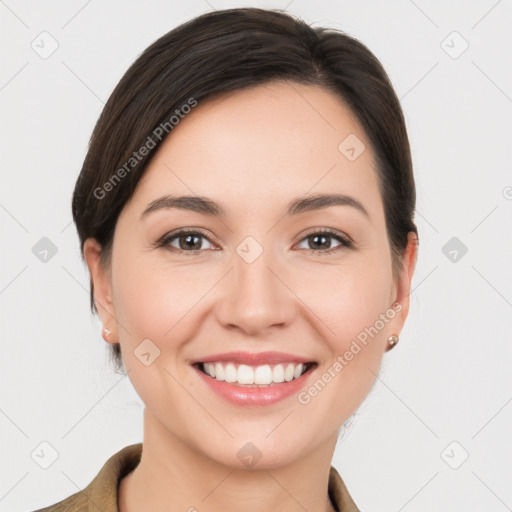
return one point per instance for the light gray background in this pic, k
(449, 378)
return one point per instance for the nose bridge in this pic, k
(252, 271)
(255, 298)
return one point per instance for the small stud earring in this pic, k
(392, 341)
(106, 333)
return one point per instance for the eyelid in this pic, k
(345, 240)
(165, 239)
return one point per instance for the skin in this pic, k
(252, 151)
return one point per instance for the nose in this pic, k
(254, 295)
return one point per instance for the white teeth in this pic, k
(288, 373)
(246, 375)
(209, 369)
(263, 375)
(278, 373)
(298, 371)
(219, 371)
(230, 373)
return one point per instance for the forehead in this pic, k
(272, 141)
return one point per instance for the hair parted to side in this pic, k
(219, 52)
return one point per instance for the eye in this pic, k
(187, 240)
(320, 241)
(190, 241)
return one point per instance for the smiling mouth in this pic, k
(255, 376)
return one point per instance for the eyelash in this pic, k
(345, 242)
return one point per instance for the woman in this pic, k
(245, 210)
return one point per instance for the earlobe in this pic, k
(101, 282)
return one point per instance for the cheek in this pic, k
(348, 311)
(153, 300)
(348, 299)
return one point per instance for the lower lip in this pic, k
(242, 395)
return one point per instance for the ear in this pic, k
(101, 280)
(403, 286)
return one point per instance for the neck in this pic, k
(171, 476)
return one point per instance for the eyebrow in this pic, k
(207, 206)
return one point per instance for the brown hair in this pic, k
(223, 51)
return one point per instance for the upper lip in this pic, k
(253, 359)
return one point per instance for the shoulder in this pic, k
(339, 494)
(101, 493)
(76, 502)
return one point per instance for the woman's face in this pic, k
(259, 278)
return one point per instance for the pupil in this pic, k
(188, 239)
(325, 244)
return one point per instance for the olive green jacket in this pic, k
(102, 493)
